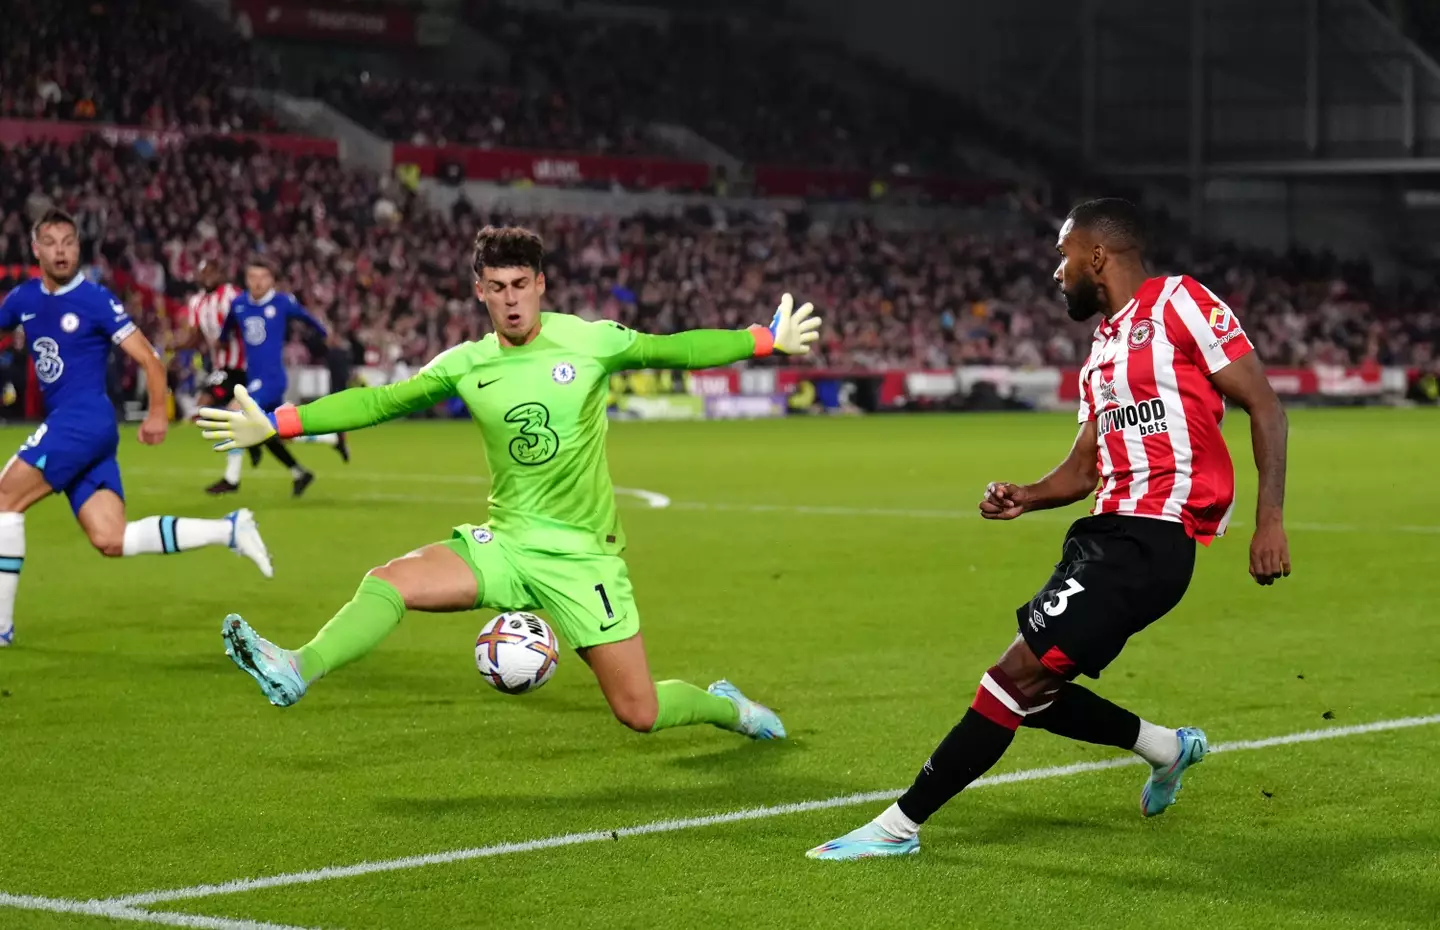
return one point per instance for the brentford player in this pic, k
(208, 309)
(1166, 356)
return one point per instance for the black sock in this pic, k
(1080, 714)
(277, 449)
(971, 748)
(255, 453)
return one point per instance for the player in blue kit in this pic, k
(261, 317)
(70, 325)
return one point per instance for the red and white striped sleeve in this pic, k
(1203, 327)
(1087, 396)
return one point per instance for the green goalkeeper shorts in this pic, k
(588, 597)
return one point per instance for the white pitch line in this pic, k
(756, 813)
(114, 911)
(657, 500)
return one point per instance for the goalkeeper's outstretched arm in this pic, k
(352, 409)
(790, 332)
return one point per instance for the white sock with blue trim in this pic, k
(233, 460)
(324, 439)
(12, 558)
(166, 535)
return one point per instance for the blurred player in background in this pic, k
(261, 317)
(537, 390)
(208, 309)
(1152, 395)
(70, 325)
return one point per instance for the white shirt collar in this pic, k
(264, 298)
(75, 282)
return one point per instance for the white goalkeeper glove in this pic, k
(794, 330)
(237, 429)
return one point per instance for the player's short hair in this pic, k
(1118, 221)
(53, 217)
(260, 261)
(508, 247)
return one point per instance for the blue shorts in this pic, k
(268, 391)
(76, 456)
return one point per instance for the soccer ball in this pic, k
(517, 652)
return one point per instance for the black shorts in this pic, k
(1116, 576)
(220, 384)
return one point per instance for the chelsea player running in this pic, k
(261, 316)
(537, 388)
(70, 325)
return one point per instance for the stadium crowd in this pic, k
(592, 85)
(392, 276)
(142, 63)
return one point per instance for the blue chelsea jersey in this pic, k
(261, 322)
(70, 332)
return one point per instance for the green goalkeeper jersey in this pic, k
(541, 412)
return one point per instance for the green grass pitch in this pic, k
(834, 568)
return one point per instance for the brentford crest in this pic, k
(1141, 334)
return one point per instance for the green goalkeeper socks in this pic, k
(684, 705)
(359, 627)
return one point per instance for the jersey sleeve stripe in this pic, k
(1208, 349)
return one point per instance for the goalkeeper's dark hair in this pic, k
(1118, 222)
(52, 217)
(508, 247)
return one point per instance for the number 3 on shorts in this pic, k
(1061, 599)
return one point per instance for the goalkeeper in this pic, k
(537, 388)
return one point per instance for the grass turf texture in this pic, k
(135, 757)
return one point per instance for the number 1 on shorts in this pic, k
(604, 599)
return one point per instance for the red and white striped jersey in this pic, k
(1147, 383)
(208, 310)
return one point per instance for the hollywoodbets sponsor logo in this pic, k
(1148, 415)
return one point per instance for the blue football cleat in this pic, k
(7, 636)
(1164, 781)
(868, 842)
(274, 668)
(756, 720)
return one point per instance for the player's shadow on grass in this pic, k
(1331, 878)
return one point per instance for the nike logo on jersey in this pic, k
(26, 317)
(481, 384)
(607, 627)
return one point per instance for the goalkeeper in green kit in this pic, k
(537, 388)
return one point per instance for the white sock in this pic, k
(233, 460)
(165, 535)
(297, 472)
(894, 822)
(1157, 745)
(12, 558)
(325, 439)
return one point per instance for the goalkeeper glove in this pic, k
(238, 429)
(790, 331)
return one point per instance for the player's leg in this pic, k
(591, 600)
(21, 486)
(269, 396)
(336, 441)
(437, 578)
(220, 392)
(97, 498)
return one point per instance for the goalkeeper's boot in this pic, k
(868, 842)
(1164, 781)
(245, 540)
(277, 670)
(756, 720)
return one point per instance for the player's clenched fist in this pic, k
(1003, 501)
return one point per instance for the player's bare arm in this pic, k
(1072, 480)
(1244, 382)
(157, 421)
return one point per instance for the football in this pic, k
(516, 652)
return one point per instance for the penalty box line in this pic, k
(757, 813)
(112, 911)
